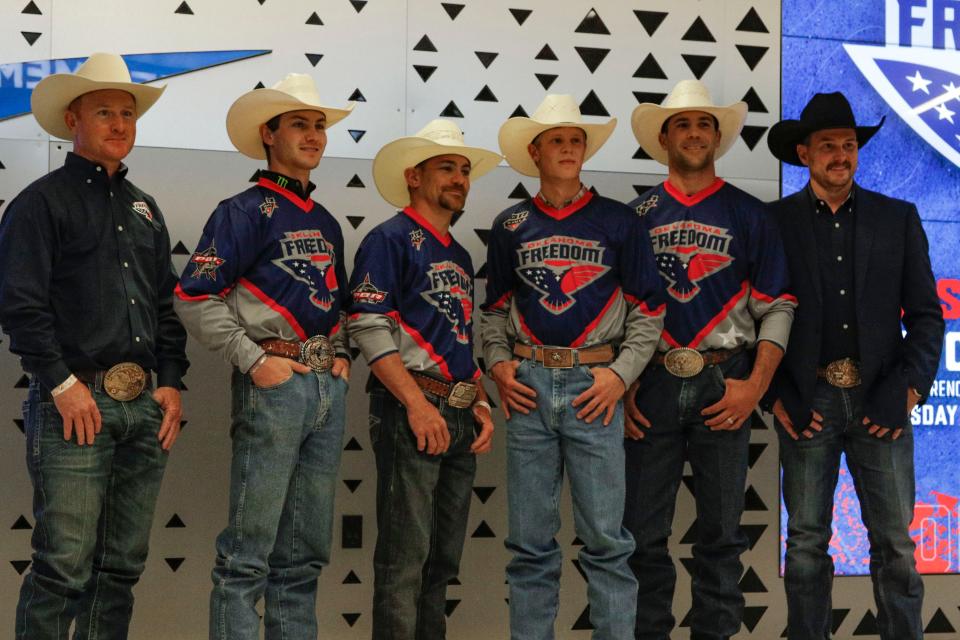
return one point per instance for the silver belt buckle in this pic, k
(317, 353)
(462, 395)
(683, 362)
(125, 381)
(557, 357)
(843, 374)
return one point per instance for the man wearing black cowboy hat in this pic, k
(851, 377)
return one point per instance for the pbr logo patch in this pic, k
(687, 252)
(206, 263)
(143, 209)
(416, 238)
(268, 206)
(367, 293)
(516, 219)
(451, 291)
(647, 205)
(918, 71)
(308, 258)
(558, 267)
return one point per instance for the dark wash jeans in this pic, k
(93, 507)
(422, 506)
(882, 471)
(654, 468)
(287, 441)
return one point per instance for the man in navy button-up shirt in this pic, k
(86, 283)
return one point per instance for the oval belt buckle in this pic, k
(317, 353)
(462, 395)
(125, 381)
(683, 362)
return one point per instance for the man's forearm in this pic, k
(765, 365)
(390, 371)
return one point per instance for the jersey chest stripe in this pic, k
(596, 321)
(422, 343)
(526, 329)
(276, 306)
(305, 205)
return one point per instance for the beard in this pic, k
(449, 200)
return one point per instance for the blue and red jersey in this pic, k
(723, 267)
(412, 294)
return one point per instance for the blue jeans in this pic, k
(654, 471)
(882, 471)
(540, 446)
(286, 452)
(422, 506)
(93, 507)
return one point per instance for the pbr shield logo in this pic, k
(558, 267)
(308, 257)
(918, 75)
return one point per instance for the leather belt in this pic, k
(459, 395)
(316, 352)
(563, 357)
(122, 382)
(685, 362)
(843, 373)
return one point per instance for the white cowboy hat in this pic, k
(555, 111)
(438, 138)
(294, 93)
(52, 95)
(688, 95)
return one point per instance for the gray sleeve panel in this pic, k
(641, 335)
(340, 339)
(495, 334)
(214, 325)
(373, 333)
(776, 318)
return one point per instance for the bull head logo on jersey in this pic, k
(308, 258)
(558, 267)
(451, 291)
(687, 252)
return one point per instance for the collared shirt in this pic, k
(288, 183)
(86, 279)
(834, 232)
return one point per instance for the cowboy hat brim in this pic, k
(256, 107)
(784, 137)
(52, 97)
(397, 156)
(648, 118)
(516, 133)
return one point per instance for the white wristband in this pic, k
(257, 364)
(63, 386)
(482, 403)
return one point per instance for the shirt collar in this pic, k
(821, 206)
(563, 205)
(288, 183)
(84, 168)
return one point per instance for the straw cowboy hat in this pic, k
(824, 111)
(438, 138)
(294, 93)
(688, 95)
(52, 95)
(555, 111)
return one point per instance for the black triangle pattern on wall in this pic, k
(453, 10)
(592, 23)
(32, 9)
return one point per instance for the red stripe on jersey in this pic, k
(499, 304)
(697, 339)
(183, 295)
(444, 238)
(422, 343)
(699, 196)
(593, 325)
(569, 210)
(644, 307)
(306, 205)
(762, 297)
(526, 329)
(276, 306)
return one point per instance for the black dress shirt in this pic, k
(86, 279)
(834, 236)
(286, 182)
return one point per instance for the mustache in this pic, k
(459, 190)
(835, 165)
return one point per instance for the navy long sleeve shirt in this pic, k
(86, 279)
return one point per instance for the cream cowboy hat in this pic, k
(438, 138)
(294, 93)
(52, 95)
(555, 111)
(688, 95)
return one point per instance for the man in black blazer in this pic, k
(850, 377)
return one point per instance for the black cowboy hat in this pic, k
(824, 111)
